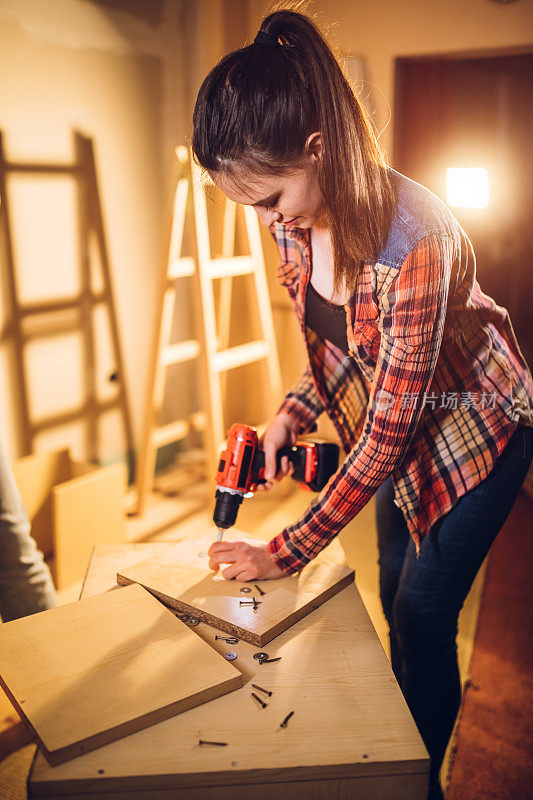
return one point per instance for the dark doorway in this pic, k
(477, 111)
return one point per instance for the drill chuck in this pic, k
(226, 507)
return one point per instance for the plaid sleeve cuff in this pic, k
(287, 557)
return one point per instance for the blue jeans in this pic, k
(422, 597)
(25, 582)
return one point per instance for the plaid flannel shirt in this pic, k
(434, 385)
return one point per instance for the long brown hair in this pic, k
(258, 105)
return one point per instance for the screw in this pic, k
(269, 660)
(261, 592)
(218, 744)
(260, 656)
(263, 705)
(286, 720)
(262, 690)
(229, 640)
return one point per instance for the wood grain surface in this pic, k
(184, 583)
(85, 674)
(351, 736)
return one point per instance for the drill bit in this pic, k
(220, 534)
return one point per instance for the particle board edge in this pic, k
(256, 639)
(219, 780)
(204, 616)
(306, 609)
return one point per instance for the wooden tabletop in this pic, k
(351, 734)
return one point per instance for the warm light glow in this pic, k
(467, 187)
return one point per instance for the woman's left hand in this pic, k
(247, 561)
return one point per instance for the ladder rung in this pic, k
(41, 329)
(230, 267)
(49, 306)
(179, 429)
(52, 306)
(240, 355)
(50, 169)
(181, 351)
(181, 268)
(75, 415)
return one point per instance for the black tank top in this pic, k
(327, 320)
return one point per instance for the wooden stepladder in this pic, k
(211, 349)
(57, 316)
(164, 352)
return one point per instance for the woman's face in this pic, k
(293, 198)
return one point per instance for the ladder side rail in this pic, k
(265, 308)
(83, 188)
(215, 426)
(165, 300)
(15, 326)
(226, 284)
(97, 224)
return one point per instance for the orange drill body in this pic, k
(242, 467)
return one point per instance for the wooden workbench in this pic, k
(351, 736)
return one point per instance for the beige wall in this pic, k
(126, 73)
(116, 75)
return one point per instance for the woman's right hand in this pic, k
(282, 431)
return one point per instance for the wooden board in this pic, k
(85, 674)
(351, 736)
(186, 584)
(72, 507)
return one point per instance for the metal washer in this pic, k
(231, 656)
(192, 622)
(260, 656)
(245, 590)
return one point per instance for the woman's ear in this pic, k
(313, 145)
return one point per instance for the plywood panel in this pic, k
(88, 511)
(377, 787)
(35, 475)
(90, 672)
(185, 585)
(351, 735)
(72, 507)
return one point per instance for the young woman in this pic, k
(419, 370)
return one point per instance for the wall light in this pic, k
(467, 187)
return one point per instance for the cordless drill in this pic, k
(242, 467)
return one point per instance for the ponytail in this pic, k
(255, 111)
